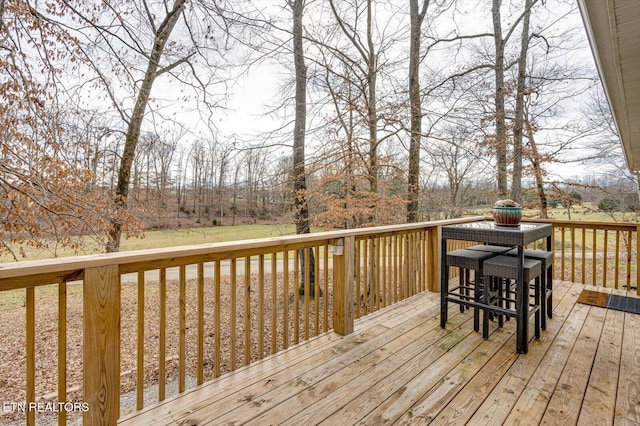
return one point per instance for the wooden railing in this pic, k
(130, 328)
(597, 253)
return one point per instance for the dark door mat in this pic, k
(595, 298)
(624, 303)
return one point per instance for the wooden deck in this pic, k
(400, 367)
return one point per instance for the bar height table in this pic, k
(490, 233)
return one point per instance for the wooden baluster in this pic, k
(562, 252)
(573, 254)
(409, 265)
(605, 260)
(393, 291)
(389, 276)
(296, 298)
(325, 273)
(162, 349)
(382, 250)
(583, 254)
(140, 344)
(629, 244)
(553, 249)
(217, 319)
(416, 262)
(31, 353)
(420, 261)
(274, 303)
(423, 260)
(617, 268)
(307, 280)
(595, 258)
(383, 271)
(402, 265)
(233, 312)
(62, 349)
(378, 272)
(365, 276)
(182, 326)
(200, 364)
(358, 262)
(316, 290)
(285, 301)
(373, 268)
(379, 268)
(394, 255)
(247, 310)
(261, 306)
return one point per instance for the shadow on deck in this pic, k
(400, 367)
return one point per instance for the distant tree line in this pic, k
(385, 113)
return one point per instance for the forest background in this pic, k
(119, 117)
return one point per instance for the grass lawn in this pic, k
(173, 237)
(181, 237)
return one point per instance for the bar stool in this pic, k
(546, 259)
(467, 261)
(503, 269)
(490, 248)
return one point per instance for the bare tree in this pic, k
(299, 174)
(501, 129)
(457, 160)
(369, 56)
(48, 197)
(120, 50)
(413, 179)
(223, 159)
(538, 172)
(164, 151)
(516, 183)
(161, 35)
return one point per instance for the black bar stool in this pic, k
(467, 261)
(503, 269)
(491, 248)
(546, 258)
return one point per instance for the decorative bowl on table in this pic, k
(507, 213)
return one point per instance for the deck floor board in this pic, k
(628, 395)
(400, 367)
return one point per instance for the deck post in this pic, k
(101, 345)
(343, 285)
(433, 258)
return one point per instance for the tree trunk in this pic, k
(372, 109)
(537, 171)
(219, 186)
(300, 183)
(135, 123)
(501, 131)
(350, 181)
(516, 182)
(413, 178)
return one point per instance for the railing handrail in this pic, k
(71, 267)
(33, 273)
(362, 267)
(622, 226)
